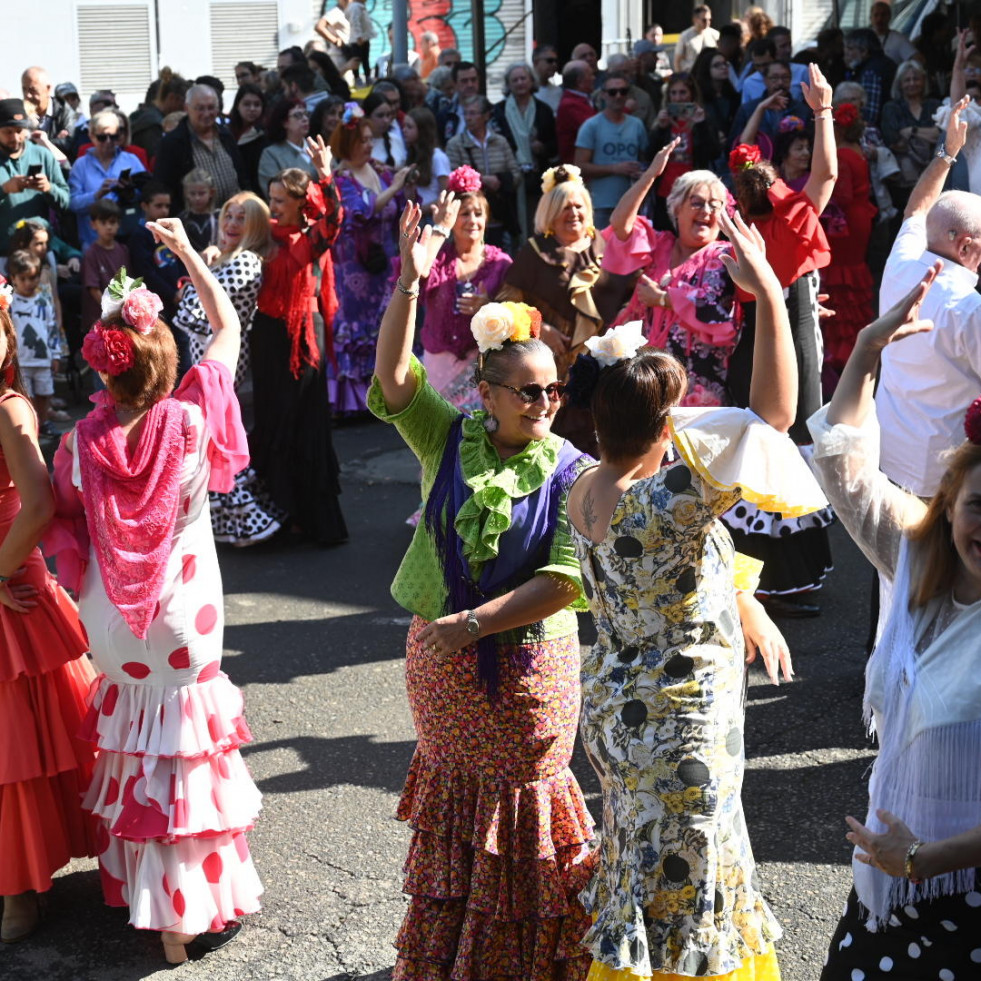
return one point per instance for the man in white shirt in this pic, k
(928, 380)
(894, 45)
(700, 35)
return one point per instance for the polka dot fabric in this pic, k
(931, 941)
(171, 793)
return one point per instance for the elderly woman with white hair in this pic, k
(684, 295)
(907, 127)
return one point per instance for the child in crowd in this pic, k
(160, 269)
(199, 217)
(102, 259)
(38, 337)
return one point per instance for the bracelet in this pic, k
(441, 230)
(908, 864)
(402, 288)
(823, 113)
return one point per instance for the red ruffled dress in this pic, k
(848, 280)
(44, 769)
(171, 793)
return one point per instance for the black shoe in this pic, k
(207, 942)
(788, 607)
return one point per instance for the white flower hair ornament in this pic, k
(618, 343)
(495, 323)
(564, 173)
(6, 294)
(129, 298)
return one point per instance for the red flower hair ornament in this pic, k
(846, 115)
(743, 157)
(108, 350)
(972, 422)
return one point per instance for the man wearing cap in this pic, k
(23, 195)
(67, 93)
(51, 114)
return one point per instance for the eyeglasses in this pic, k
(778, 77)
(299, 114)
(617, 91)
(530, 394)
(699, 204)
(104, 137)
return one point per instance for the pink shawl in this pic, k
(131, 503)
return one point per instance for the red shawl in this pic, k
(131, 503)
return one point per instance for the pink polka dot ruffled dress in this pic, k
(171, 793)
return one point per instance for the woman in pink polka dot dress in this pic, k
(171, 794)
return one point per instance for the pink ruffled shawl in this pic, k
(129, 502)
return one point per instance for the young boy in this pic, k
(199, 218)
(160, 268)
(102, 258)
(38, 337)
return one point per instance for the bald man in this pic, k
(55, 117)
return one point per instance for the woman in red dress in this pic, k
(848, 280)
(44, 677)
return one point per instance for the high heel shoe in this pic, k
(21, 916)
(175, 946)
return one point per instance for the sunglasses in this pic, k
(530, 394)
(617, 91)
(105, 137)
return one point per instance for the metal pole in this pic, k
(400, 33)
(479, 46)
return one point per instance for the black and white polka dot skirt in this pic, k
(931, 941)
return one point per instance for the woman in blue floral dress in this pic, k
(662, 719)
(371, 196)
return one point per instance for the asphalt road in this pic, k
(315, 640)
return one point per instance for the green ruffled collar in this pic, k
(486, 514)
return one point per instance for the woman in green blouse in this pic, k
(499, 850)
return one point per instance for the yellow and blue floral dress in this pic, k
(662, 717)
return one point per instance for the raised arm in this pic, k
(217, 306)
(931, 182)
(773, 386)
(447, 211)
(392, 354)
(958, 79)
(625, 213)
(824, 160)
(751, 130)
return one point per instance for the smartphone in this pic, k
(681, 110)
(124, 175)
(34, 170)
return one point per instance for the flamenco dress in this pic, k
(795, 551)
(44, 767)
(290, 443)
(500, 843)
(171, 794)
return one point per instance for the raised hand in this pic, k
(747, 266)
(818, 93)
(447, 209)
(956, 128)
(903, 319)
(661, 158)
(170, 232)
(413, 245)
(320, 154)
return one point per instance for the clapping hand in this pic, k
(747, 266)
(320, 154)
(413, 245)
(904, 318)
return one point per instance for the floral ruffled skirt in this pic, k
(500, 844)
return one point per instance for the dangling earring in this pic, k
(491, 424)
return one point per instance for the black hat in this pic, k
(13, 113)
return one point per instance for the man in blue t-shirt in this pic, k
(609, 149)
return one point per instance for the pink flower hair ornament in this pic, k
(464, 180)
(972, 422)
(108, 350)
(131, 300)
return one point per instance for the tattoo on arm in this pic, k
(588, 511)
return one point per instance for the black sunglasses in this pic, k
(530, 394)
(616, 91)
(103, 137)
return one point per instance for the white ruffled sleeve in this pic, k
(729, 448)
(873, 509)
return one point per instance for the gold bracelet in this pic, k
(402, 288)
(908, 864)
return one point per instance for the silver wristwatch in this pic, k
(473, 624)
(943, 155)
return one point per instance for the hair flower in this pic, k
(464, 180)
(352, 113)
(495, 323)
(790, 124)
(108, 349)
(583, 376)
(618, 343)
(846, 114)
(564, 173)
(972, 422)
(141, 309)
(6, 294)
(744, 156)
